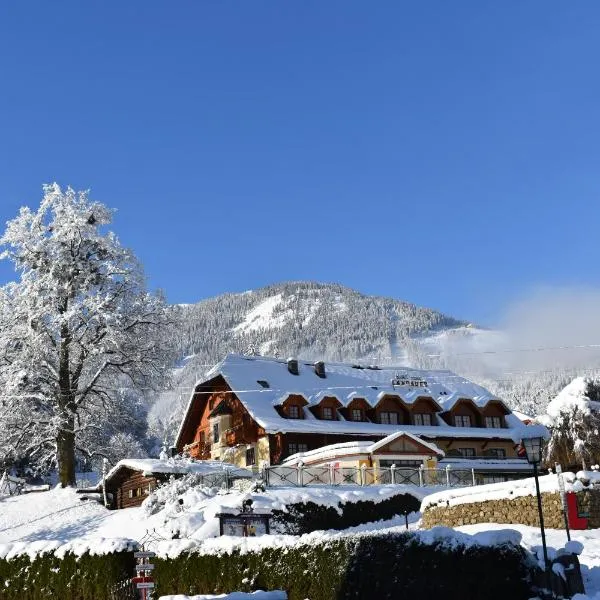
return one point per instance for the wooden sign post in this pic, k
(143, 579)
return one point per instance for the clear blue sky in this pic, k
(446, 153)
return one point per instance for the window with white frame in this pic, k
(422, 419)
(467, 452)
(496, 452)
(357, 414)
(462, 421)
(327, 413)
(293, 411)
(388, 418)
(495, 422)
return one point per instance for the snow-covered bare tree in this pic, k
(574, 440)
(77, 330)
(574, 421)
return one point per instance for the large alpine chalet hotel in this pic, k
(256, 411)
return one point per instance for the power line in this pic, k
(438, 355)
(376, 386)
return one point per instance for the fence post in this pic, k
(264, 475)
(420, 475)
(104, 469)
(473, 475)
(393, 473)
(363, 474)
(301, 474)
(331, 476)
(448, 475)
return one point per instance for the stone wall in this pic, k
(518, 511)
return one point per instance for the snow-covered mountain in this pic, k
(334, 323)
(310, 321)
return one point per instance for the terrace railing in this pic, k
(301, 476)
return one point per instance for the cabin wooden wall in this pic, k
(128, 480)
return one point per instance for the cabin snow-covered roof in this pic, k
(347, 382)
(177, 466)
(360, 447)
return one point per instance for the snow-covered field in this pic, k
(63, 520)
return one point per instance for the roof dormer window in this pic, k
(422, 419)
(357, 414)
(327, 413)
(388, 418)
(462, 421)
(293, 412)
(494, 422)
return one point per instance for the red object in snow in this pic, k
(140, 579)
(575, 521)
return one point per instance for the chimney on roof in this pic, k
(292, 365)
(320, 369)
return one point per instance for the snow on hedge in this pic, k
(223, 545)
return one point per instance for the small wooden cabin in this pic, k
(131, 481)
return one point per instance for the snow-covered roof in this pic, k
(150, 466)
(394, 436)
(348, 382)
(330, 452)
(362, 447)
(522, 416)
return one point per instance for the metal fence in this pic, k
(328, 475)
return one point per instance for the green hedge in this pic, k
(357, 567)
(70, 578)
(347, 568)
(307, 516)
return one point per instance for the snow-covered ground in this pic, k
(510, 489)
(61, 521)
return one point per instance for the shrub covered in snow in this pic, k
(172, 496)
(358, 566)
(305, 517)
(574, 420)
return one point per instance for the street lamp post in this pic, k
(533, 449)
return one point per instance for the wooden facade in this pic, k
(128, 487)
(214, 403)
